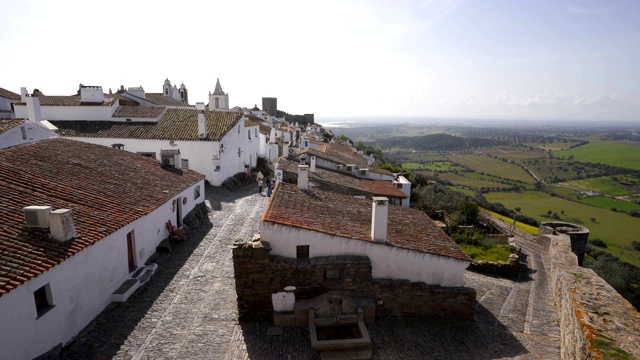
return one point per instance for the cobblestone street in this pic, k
(188, 309)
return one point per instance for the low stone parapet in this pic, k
(595, 321)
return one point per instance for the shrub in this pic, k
(598, 242)
(636, 245)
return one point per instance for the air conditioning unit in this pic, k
(168, 160)
(291, 151)
(339, 167)
(37, 216)
(171, 157)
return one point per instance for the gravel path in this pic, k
(188, 309)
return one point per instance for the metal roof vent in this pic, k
(37, 216)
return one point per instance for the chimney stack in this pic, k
(303, 177)
(23, 94)
(33, 109)
(379, 218)
(202, 121)
(312, 163)
(272, 136)
(61, 224)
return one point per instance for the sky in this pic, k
(475, 59)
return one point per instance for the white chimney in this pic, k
(61, 224)
(33, 109)
(272, 136)
(303, 177)
(91, 94)
(285, 150)
(379, 218)
(312, 163)
(202, 125)
(23, 94)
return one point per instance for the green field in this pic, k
(432, 166)
(608, 203)
(468, 181)
(607, 152)
(604, 185)
(495, 167)
(514, 154)
(616, 229)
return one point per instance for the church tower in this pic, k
(166, 88)
(184, 96)
(219, 99)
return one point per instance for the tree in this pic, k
(518, 209)
(593, 219)
(549, 212)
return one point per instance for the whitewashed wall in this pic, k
(81, 286)
(405, 187)
(71, 112)
(5, 104)
(203, 156)
(13, 137)
(387, 262)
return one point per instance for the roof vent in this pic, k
(37, 216)
(62, 228)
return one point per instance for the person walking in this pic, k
(260, 185)
(269, 187)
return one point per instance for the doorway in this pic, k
(131, 258)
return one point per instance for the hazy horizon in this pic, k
(494, 59)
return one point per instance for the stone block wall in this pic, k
(510, 269)
(401, 297)
(258, 275)
(578, 236)
(595, 321)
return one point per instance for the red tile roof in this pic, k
(9, 94)
(175, 124)
(363, 186)
(72, 100)
(343, 154)
(160, 99)
(138, 111)
(104, 187)
(350, 217)
(8, 124)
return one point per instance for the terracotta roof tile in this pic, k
(350, 217)
(8, 124)
(175, 124)
(72, 100)
(343, 154)
(160, 99)
(364, 186)
(105, 188)
(9, 94)
(138, 111)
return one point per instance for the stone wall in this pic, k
(578, 235)
(258, 275)
(595, 321)
(509, 269)
(401, 297)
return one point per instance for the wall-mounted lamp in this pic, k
(221, 148)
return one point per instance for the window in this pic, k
(217, 169)
(196, 192)
(43, 300)
(332, 274)
(302, 252)
(255, 132)
(118, 146)
(238, 129)
(249, 134)
(399, 185)
(24, 132)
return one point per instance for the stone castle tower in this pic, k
(270, 105)
(219, 99)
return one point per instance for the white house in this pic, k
(21, 131)
(59, 269)
(90, 104)
(340, 182)
(401, 242)
(217, 144)
(7, 101)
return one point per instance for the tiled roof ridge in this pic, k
(9, 94)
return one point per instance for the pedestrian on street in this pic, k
(260, 185)
(269, 187)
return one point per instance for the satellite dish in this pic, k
(369, 163)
